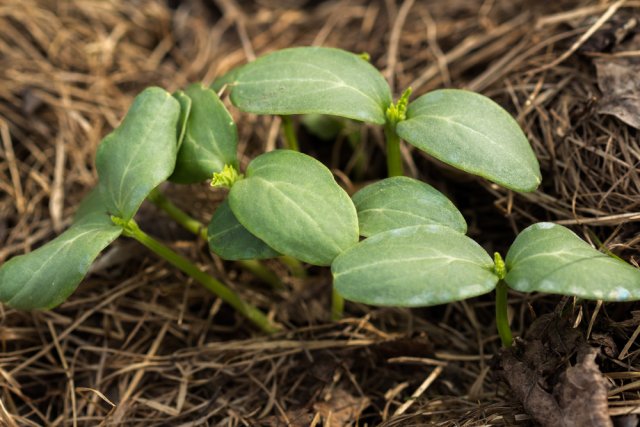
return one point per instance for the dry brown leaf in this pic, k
(342, 409)
(619, 83)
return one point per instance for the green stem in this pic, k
(258, 269)
(295, 266)
(216, 287)
(337, 305)
(502, 316)
(181, 217)
(394, 156)
(196, 227)
(289, 133)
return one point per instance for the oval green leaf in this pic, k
(230, 240)
(185, 110)
(471, 132)
(305, 80)
(210, 141)
(91, 204)
(140, 153)
(403, 202)
(550, 258)
(47, 276)
(292, 202)
(414, 267)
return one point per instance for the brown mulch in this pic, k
(139, 344)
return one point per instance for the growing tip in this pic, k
(500, 268)
(226, 178)
(398, 112)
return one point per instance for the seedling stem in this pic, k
(337, 305)
(395, 113)
(252, 313)
(502, 314)
(289, 133)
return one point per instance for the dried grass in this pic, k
(139, 345)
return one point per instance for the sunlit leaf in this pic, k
(402, 202)
(47, 276)
(140, 153)
(471, 132)
(550, 258)
(230, 240)
(306, 80)
(414, 266)
(292, 202)
(210, 141)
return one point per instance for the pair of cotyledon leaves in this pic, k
(461, 128)
(183, 137)
(415, 253)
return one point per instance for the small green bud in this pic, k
(500, 269)
(226, 178)
(398, 112)
(365, 56)
(129, 228)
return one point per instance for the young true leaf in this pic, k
(414, 266)
(307, 80)
(232, 241)
(140, 153)
(211, 138)
(45, 277)
(185, 110)
(402, 202)
(550, 258)
(471, 132)
(291, 202)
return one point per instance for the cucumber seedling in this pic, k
(461, 128)
(416, 254)
(161, 137)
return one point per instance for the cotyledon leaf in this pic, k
(402, 202)
(232, 241)
(92, 203)
(185, 110)
(47, 276)
(471, 132)
(550, 258)
(291, 202)
(305, 80)
(210, 141)
(414, 266)
(225, 80)
(140, 153)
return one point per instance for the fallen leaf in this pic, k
(342, 409)
(619, 83)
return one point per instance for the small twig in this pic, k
(394, 41)
(419, 391)
(591, 31)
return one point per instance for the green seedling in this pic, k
(424, 261)
(286, 203)
(131, 162)
(461, 128)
